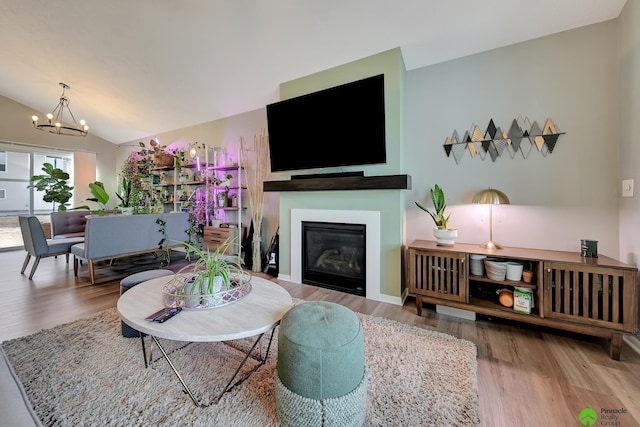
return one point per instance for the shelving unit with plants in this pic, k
(227, 191)
(165, 188)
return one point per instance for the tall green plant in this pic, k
(126, 194)
(439, 217)
(100, 196)
(54, 184)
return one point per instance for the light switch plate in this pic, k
(627, 188)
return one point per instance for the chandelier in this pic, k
(56, 122)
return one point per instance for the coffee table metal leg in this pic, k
(262, 360)
(228, 387)
(144, 350)
(175, 371)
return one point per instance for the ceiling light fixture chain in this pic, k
(56, 122)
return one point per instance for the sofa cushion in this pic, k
(68, 223)
(15, 407)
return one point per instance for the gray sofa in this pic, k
(113, 236)
(15, 407)
(68, 223)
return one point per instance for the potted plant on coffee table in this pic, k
(213, 280)
(444, 235)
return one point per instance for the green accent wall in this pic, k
(389, 202)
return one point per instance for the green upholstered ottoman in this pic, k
(321, 377)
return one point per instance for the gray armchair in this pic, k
(36, 243)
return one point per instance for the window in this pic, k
(3, 193)
(3, 161)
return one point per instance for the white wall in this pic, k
(629, 89)
(557, 200)
(223, 133)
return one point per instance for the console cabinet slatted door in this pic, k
(590, 295)
(437, 274)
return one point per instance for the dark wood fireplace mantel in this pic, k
(381, 182)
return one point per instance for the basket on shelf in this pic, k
(162, 159)
(496, 270)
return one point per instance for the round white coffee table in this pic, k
(254, 315)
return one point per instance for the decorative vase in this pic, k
(222, 200)
(445, 237)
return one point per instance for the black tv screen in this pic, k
(340, 126)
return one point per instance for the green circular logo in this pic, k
(588, 416)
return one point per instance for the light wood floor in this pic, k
(526, 376)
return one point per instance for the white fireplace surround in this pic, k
(371, 219)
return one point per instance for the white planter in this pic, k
(127, 210)
(514, 271)
(445, 237)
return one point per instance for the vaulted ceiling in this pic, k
(139, 67)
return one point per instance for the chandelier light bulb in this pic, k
(49, 116)
(34, 119)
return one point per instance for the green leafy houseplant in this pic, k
(203, 283)
(100, 196)
(54, 184)
(438, 215)
(210, 265)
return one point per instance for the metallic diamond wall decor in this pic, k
(521, 137)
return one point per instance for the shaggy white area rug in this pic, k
(85, 373)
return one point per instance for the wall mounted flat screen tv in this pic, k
(335, 127)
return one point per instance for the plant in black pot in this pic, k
(444, 235)
(54, 184)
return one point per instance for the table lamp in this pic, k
(491, 196)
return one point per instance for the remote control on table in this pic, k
(164, 314)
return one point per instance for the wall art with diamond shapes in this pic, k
(521, 137)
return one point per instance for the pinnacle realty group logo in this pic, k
(607, 417)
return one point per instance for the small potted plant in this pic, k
(161, 157)
(444, 235)
(527, 271)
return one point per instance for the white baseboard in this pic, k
(456, 312)
(633, 342)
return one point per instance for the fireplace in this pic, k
(371, 221)
(334, 256)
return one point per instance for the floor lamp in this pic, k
(490, 196)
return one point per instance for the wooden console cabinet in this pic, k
(216, 236)
(592, 296)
